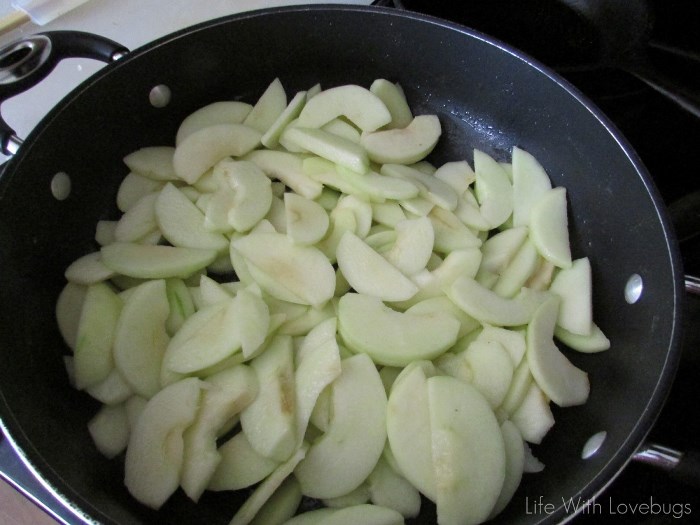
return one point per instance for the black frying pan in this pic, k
(485, 94)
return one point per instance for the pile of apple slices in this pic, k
(293, 301)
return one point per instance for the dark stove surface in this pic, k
(667, 139)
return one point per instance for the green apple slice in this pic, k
(223, 112)
(450, 233)
(112, 391)
(138, 221)
(268, 108)
(366, 514)
(519, 387)
(109, 430)
(377, 187)
(140, 338)
(270, 138)
(406, 145)
(408, 427)
(207, 337)
(204, 148)
(549, 227)
(530, 182)
(468, 212)
(393, 338)
(500, 249)
(493, 189)
(358, 496)
(87, 270)
(489, 307)
(253, 319)
(133, 188)
(252, 193)
(388, 213)
(155, 261)
(467, 450)
(104, 232)
(435, 305)
(302, 270)
(330, 147)
(240, 465)
(596, 341)
(512, 340)
(559, 379)
(574, 287)
(491, 369)
(534, 416)
(458, 174)
(181, 304)
(515, 461)
(154, 456)
(370, 273)
(281, 506)
(395, 101)
(342, 128)
(182, 223)
(288, 168)
(153, 162)
(269, 421)
(317, 366)
(343, 457)
(265, 490)
(435, 190)
(93, 360)
(413, 246)
(519, 270)
(307, 221)
(359, 105)
(391, 490)
(227, 394)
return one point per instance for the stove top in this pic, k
(667, 139)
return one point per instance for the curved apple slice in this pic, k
(139, 221)
(549, 228)
(403, 146)
(307, 221)
(559, 379)
(499, 250)
(413, 246)
(223, 112)
(329, 146)
(252, 193)
(596, 341)
(359, 105)
(140, 338)
(370, 273)
(408, 427)
(395, 100)
(393, 338)
(227, 394)
(389, 489)
(519, 270)
(288, 168)
(468, 452)
(268, 108)
(155, 261)
(270, 138)
(493, 189)
(574, 286)
(515, 461)
(534, 416)
(154, 455)
(302, 270)
(491, 369)
(182, 223)
(204, 148)
(458, 174)
(346, 454)
(530, 182)
(153, 162)
(240, 466)
(87, 270)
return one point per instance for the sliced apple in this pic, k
(515, 461)
(500, 249)
(534, 416)
(406, 145)
(268, 108)
(270, 138)
(240, 465)
(93, 360)
(109, 430)
(549, 227)
(182, 223)
(139, 221)
(104, 232)
(307, 221)
(282, 505)
(342, 128)
(389, 489)
(222, 112)
(344, 456)
(357, 104)
(435, 190)
(493, 189)
(204, 148)
(140, 338)
(227, 394)
(395, 100)
(435, 305)
(269, 421)
(489, 307)
(559, 379)
(113, 390)
(468, 452)
(458, 174)
(596, 341)
(252, 193)
(155, 261)
(388, 213)
(133, 187)
(574, 287)
(329, 146)
(254, 320)
(393, 338)
(302, 270)
(87, 270)
(370, 273)
(519, 387)
(154, 456)
(181, 304)
(512, 340)
(153, 162)
(450, 233)
(530, 182)
(413, 246)
(378, 187)
(288, 168)
(518, 271)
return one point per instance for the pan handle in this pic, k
(683, 467)
(26, 62)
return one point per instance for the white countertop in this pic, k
(129, 22)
